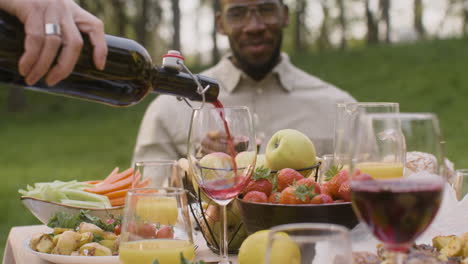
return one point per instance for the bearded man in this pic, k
(255, 74)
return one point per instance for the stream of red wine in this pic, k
(232, 152)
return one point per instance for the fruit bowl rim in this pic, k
(293, 205)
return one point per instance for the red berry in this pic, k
(274, 197)
(344, 192)
(296, 195)
(362, 177)
(118, 229)
(335, 182)
(146, 230)
(165, 232)
(256, 197)
(310, 182)
(262, 185)
(287, 177)
(321, 199)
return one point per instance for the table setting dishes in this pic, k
(63, 259)
(100, 198)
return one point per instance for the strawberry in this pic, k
(165, 232)
(335, 183)
(296, 194)
(287, 177)
(344, 192)
(321, 199)
(262, 185)
(256, 197)
(274, 197)
(146, 230)
(310, 182)
(362, 177)
(324, 189)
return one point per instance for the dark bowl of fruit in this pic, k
(295, 199)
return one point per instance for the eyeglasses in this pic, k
(267, 11)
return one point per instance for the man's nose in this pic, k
(254, 21)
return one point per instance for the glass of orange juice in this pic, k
(157, 173)
(156, 226)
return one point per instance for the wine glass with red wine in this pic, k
(397, 201)
(222, 152)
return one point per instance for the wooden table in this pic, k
(16, 253)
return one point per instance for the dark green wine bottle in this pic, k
(128, 77)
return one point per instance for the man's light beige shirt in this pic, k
(286, 98)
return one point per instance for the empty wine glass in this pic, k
(309, 243)
(397, 201)
(222, 152)
(157, 173)
(156, 226)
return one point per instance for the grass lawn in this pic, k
(60, 138)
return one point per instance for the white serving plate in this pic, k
(62, 259)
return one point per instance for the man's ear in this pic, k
(285, 15)
(220, 24)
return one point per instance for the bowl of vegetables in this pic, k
(100, 198)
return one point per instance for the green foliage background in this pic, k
(61, 138)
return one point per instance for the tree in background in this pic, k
(300, 28)
(418, 19)
(342, 22)
(385, 6)
(465, 18)
(175, 24)
(372, 25)
(323, 40)
(215, 54)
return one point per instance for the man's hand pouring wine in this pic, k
(49, 25)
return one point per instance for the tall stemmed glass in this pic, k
(397, 204)
(222, 153)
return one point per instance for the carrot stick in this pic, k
(117, 201)
(143, 183)
(113, 172)
(116, 194)
(94, 182)
(107, 188)
(113, 178)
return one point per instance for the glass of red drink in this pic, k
(397, 198)
(222, 152)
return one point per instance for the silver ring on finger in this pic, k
(52, 29)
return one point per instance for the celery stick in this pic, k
(83, 203)
(85, 196)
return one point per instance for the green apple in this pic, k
(283, 250)
(289, 148)
(245, 158)
(234, 225)
(211, 163)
